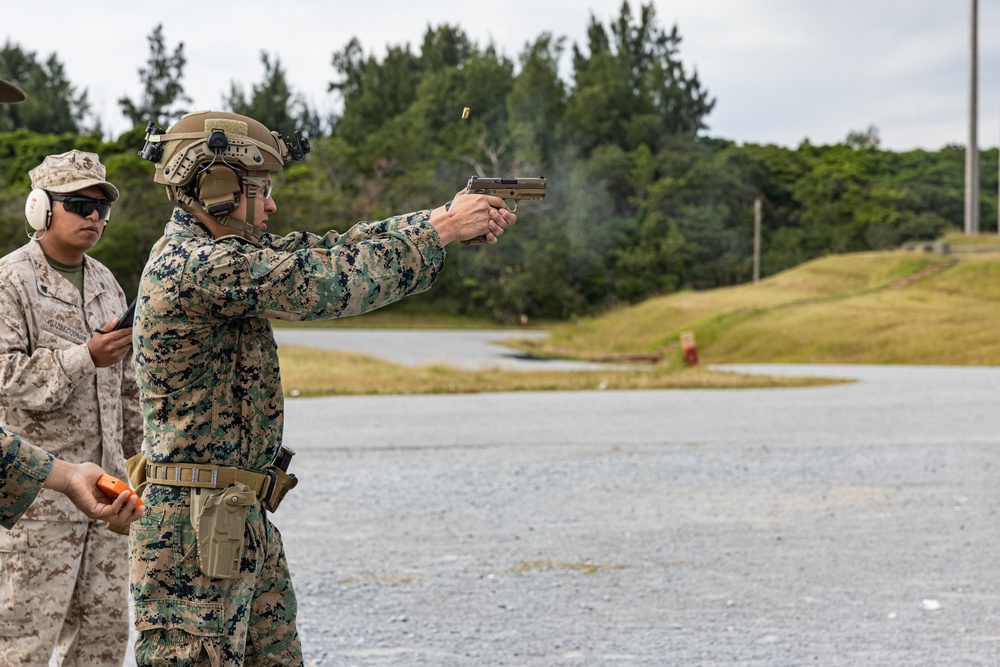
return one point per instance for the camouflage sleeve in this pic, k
(41, 379)
(328, 278)
(23, 469)
(131, 410)
(361, 231)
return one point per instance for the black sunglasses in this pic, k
(84, 206)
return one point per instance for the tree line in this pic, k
(642, 200)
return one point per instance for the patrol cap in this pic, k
(9, 93)
(71, 172)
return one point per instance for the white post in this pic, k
(756, 240)
(972, 148)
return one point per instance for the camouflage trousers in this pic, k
(63, 587)
(188, 619)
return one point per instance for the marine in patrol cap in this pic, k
(9, 93)
(71, 172)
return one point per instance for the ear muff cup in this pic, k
(218, 189)
(38, 210)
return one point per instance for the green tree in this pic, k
(373, 92)
(377, 91)
(444, 47)
(273, 103)
(53, 104)
(689, 227)
(631, 87)
(163, 92)
(536, 104)
(863, 138)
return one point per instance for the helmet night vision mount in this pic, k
(205, 160)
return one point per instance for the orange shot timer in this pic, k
(112, 488)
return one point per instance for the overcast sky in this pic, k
(781, 70)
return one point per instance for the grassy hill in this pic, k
(898, 307)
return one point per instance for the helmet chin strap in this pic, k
(251, 207)
(245, 228)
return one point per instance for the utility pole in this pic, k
(972, 148)
(756, 240)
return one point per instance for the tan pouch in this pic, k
(281, 483)
(219, 520)
(136, 469)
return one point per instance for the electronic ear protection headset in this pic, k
(38, 210)
(217, 188)
(217, 185)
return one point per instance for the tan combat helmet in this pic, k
(205, 159)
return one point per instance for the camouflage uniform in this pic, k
(51, 392)
(207, 367)
(24, 469)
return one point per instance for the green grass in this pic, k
(877, 308)
(980, 241)
(313, 372)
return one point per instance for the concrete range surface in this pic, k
(847, 525)
(843, 525)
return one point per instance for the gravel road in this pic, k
(844, 525)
